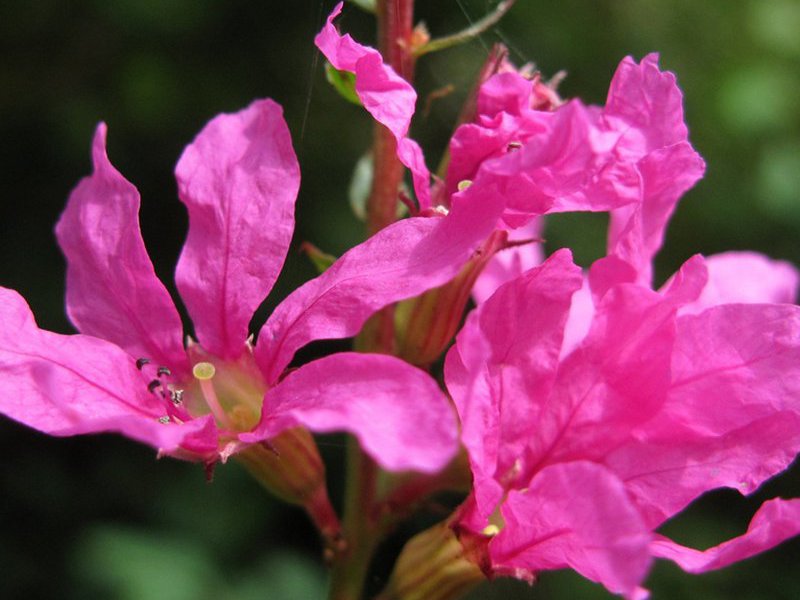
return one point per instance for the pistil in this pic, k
(204, 372)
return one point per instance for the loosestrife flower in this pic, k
(128, 370)
(577, 458)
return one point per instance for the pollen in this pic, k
(464, 184)
(203, 371)
(490, 530)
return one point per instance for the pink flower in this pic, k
(128, 370)
(579, 455)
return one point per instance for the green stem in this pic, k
(362, 535)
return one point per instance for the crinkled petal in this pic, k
(776, 521)
(646, 104)
(112, 290)
(389, 98)
(510, 263)
(732, 415)
(238, 180)
(398, 413)
(401, 261)
(618, 377)
(746, 277)
(72, 384)
(574, 515)
(636, 231)
(511, 372)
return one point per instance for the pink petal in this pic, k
(511, 262)
(636, 231)
(238, 180)
(389, 98)
(776, 521)
(398, 413)
(574, 515)
(665, 475)
(69, 385)
(731, 417)
(646, 104)
(746, 277)
(498, 383)
(617, 378)
(401, 261)
(112, 289)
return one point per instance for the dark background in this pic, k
(98, 516)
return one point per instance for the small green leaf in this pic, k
(360, 186)
(321, 260)
(365, 5)
(343, 82)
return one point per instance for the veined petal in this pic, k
(389, 98)
(512, 364)
(112, 290)
(746, 277)
(68, 385)
(401, 261)
(665, 475)
(398, 413)
(574, 515)
(776, 521)
(636, 231)
(732, 415)
(510, 262)
(239, 181)
(647, 105)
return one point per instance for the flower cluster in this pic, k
(591, 406)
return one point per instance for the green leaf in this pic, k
(365, 5)
(343, 82)
(321, 260)
(360, 186)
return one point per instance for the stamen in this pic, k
(490, 530)
(141, 362)
(513, 146)
(163, 420)
(464, 184)
(162, 371)
(153, 385)
(176, 396)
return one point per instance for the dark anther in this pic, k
(153, 385)
(163, 371)
(141, 362)
(513, 146)
(176, 396)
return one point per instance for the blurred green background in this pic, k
(99, 517)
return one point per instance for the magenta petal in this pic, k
(504, 363)
(69, 385)
(510, 262)
(636, 231)
(389, 98)
(398, 413)
(777, 520)
(646, 104)
(574, 515)
(746, 277)
(238, 180)
(401, 261)
(112, 289)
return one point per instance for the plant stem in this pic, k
(395, 27)
(361, 524)
(361, 530)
